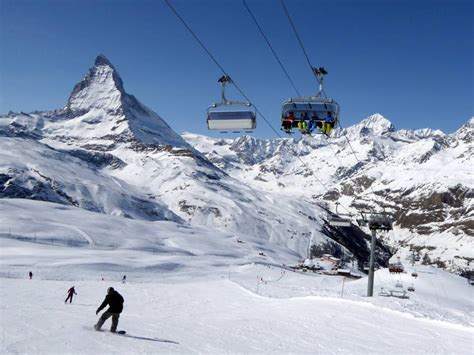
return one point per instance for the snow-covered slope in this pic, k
(106, 152)
(204, 230)
(43, 173)
(424, 177)
(191, 290)
(278, 190)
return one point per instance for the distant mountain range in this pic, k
(108, 153)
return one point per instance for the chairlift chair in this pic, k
(339, 221)
(396, 268)
(308, 105)
(234, 116)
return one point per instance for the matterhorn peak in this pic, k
(100, 109)
(102, 60)
(102, 88)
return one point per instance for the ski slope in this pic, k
(196, 290)
(211, 316)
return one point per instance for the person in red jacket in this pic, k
(70, 293)
(287, 123)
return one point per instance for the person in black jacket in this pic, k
(115, 302)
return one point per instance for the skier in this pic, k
(312, 122)
(115, 302)
(70, 293)
(302, 125)
(328, 124)
(31, 275)
(124, 279)
(287, 123)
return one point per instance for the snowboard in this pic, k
(120, 332)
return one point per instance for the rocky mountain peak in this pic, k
(102, 60)
(466, 132)
(101, 88)
(100, 110)
(377, 124)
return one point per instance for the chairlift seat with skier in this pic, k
(232, 116)
(396, 268)
(310, 104)
(315, 109)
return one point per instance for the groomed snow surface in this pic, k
(192, 290)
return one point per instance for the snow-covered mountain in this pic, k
(106, 152)
(424, 177)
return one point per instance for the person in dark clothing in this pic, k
(328, 123)
(30, 274)
(115, 302)
(70, 293)
(287, 123)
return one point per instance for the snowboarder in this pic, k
(31, 275)
(115, 302)
(124, 278)
(70, 293)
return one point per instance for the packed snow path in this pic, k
(211, 317)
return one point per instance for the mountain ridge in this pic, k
(281, 190)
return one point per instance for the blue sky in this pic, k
(411, 61)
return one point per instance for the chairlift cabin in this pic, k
(376, 221)
(234, 116)
(366, 266)
(310, 113)
(396, 268)
(338, 221)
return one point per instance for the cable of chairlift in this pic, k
(270, 46)
(236, 86)
(301, 43)
(203, 46)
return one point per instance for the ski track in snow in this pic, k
(76, 229)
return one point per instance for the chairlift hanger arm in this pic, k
(319, 74)
(224, 79)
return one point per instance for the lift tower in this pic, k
(375, 222)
